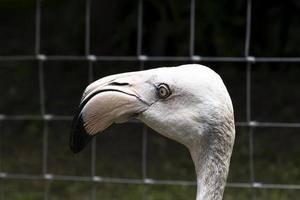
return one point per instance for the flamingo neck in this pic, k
(211, 155)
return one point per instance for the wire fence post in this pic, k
(40, 59)
(141, 58)
(248, 96)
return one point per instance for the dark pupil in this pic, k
(163, 91)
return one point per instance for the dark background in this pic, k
(33, 146)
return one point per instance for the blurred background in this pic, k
(50, 50)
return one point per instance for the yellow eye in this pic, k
(163, 91)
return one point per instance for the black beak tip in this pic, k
(79, 138)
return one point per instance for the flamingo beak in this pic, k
(102, 106)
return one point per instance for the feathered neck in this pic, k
(211, 155)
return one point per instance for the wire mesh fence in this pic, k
(88, 173)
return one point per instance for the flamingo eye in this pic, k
(163, 91)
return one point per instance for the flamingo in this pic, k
(189, 104)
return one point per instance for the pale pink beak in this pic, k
(113, 102)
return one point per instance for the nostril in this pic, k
(118, 84)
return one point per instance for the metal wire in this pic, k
(49, 117)
(192, 28)
(38, 27)
(142, 59)
(248, 98)
(145, 58)
(147, 181)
